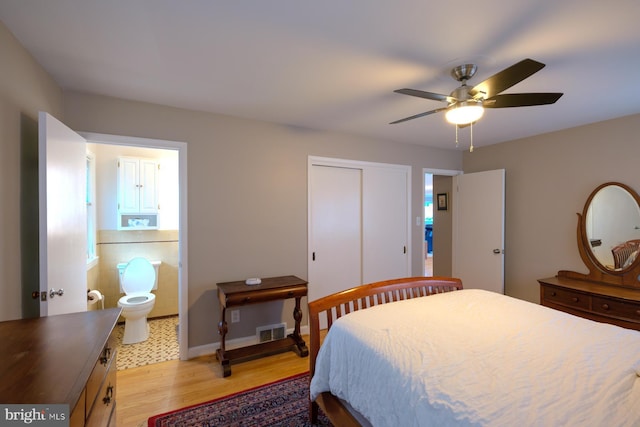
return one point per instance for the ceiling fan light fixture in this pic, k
(465, 112)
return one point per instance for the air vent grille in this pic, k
(271, 332)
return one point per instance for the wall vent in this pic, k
(271, 332)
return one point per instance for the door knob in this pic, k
(53, 292)
(496, 251)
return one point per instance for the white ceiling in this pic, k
(333, 64)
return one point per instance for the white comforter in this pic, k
(477, 358)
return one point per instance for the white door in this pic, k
(63, 219)
(478, 230)
(335, 240)
(385, 237)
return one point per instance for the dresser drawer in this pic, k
(566, 297)
(617, 308)
(252, 297)
(78, 413)
(597, 301)
(104, 407)
(100, 372)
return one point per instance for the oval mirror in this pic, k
(612, 226)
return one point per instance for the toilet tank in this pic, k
(122, 265)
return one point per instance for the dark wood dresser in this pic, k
(64, 359)
(596, 301)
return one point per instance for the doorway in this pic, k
(63, 195)
(167, 243)
(438, 221)
(428, 224)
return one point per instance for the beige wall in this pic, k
(548, 180)
(247, 188)
(25, 89)
(247, 196)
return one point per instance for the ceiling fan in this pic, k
(466, 105)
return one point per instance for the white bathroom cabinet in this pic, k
(137, 193)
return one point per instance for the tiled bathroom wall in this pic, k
(115, 247)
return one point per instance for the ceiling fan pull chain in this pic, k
(471, 133)
(456, 136)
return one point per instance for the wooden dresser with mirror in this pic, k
(609, 245)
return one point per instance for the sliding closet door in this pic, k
(385, 223)
(335, 237)
(359, 224)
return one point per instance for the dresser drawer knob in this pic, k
(605, 306)
(106, 354)
(247, 299)
(575, 299)
(109, 395)
(553, 293)
(638, 312)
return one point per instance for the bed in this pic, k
(466, 357)
(625, 253)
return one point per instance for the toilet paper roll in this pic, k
(94, 297)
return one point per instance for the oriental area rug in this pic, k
(279, 404)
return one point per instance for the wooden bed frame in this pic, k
(359, 298)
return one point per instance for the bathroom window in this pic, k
(92, 257)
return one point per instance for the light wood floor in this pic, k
(162, 387)
(428, 265)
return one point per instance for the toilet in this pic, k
(137, 279)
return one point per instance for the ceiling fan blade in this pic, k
(521, 100)
(426, 95)
(437, 110)
(506, 78)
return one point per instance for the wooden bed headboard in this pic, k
(359, 298)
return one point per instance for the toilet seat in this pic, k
(138, 276)
(135, 300)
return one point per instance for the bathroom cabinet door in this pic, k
(137, 193)
(137, 185)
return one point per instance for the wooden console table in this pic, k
(232, 294)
